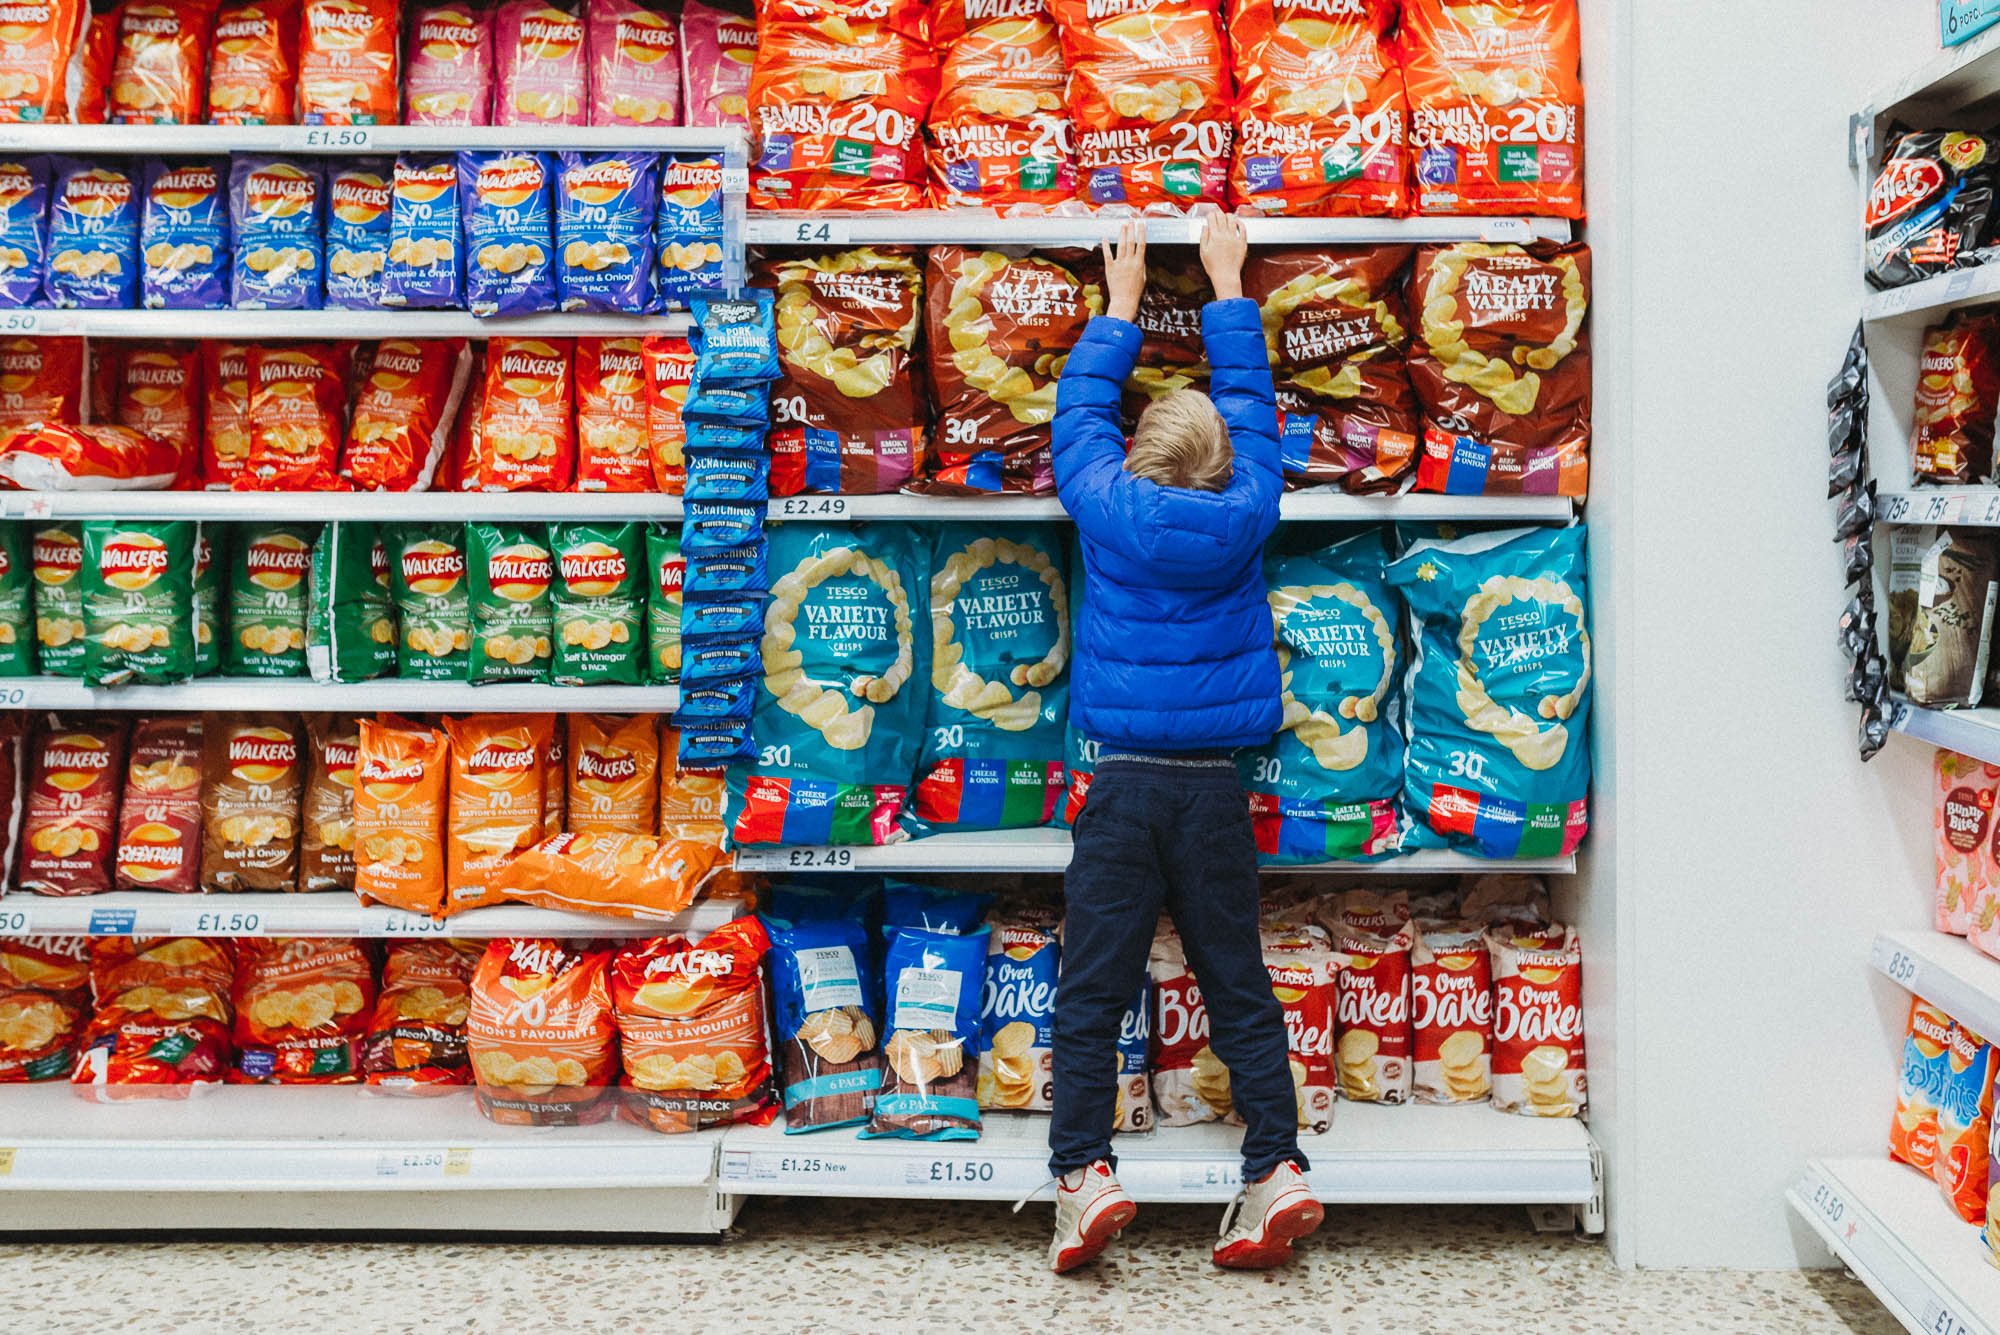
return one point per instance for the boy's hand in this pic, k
(1125, 271)
(1223, 248)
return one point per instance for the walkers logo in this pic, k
(277, 561)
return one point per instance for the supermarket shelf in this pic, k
(1947, 971)
(257, 325)
(1931, 298)
(1043, 850)
(986, 227)
(356, 697)
(1970, 732)
(320, 913)
(1893, 1229)
(1976, 507)
(322, 1139)
(356, 138)
(1374, 1154)
(1955, 79)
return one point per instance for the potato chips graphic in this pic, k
(1538, 1057)
(184, 236)
(226, 401)
(93, 242)
(614, 446)
(605, 206)
(253, 65)
(159, 821)
(1373, 1056)
(160, 1025)
(253, 776)
(635, 63)
(1016, 1058)
(506, 201)
(691, 1029)
(495, 801)
(416, 1038)
(302, 1010)
(543, 77)
(57, 965)
(1304, 971)
(719, 47)
(401, 781)
(510, 572)
(347, 62)
(1451, 1014)
(161, 397)
(998, 132)
(541, 1035)
(76, 768)
(827, 1016)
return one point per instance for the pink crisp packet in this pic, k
(635, 64)
(543, 77)
(1967, 793)
(448, 72)
(717, 47)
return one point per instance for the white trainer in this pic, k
(1091, 1208)
(1266, 1218)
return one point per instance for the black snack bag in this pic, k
(1856, 514)
(1928, 205)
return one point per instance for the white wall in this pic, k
(1756, 856)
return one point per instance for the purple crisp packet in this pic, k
(510, 259)
(93, 261)
(426, 256)
(184, 235)
(24, 229)
(275, 205)
(604, 230)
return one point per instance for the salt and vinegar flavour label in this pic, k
(511, 575)
(268, 596)
(56, 551)
(427, 575)
(253, 776)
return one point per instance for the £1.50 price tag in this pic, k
(948, 1172)
(412, 924)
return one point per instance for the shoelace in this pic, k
(1036, 1192)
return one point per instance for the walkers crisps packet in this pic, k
(612, 441)
(302, 1009)
(691, 1029)
(24, 221)
(416, 1038)
(184, 236)
(511, 573)
(161, 1019)
(614, 773)
(41, 380)
(1451, 1014)
(56, 555)
(56, 457)
(543, 76)
(541, 1033)
(631, 875)
(93, 234)
(1016, 1056)
(667, 575)
(495, 800)
(718, 48)
(635, 63)
(402, 773)
(687, 229)
(426, 262)
(605, 203)
(34, 60)
(840, 702)
(933, 984)
(275, 210)
(326, 812)
(509, 231)
(160, 397)
(68, 831)
(1498, 759)
(351, 614)
(1965, 1119)
(998, 132)
(1958, 393)
(17, 615)
(226, 400)
(428, 578)
(669, 369)
(347, 62)
(253, 63)
(359, 226)
(1913, 1135)
(268, 600)
(1538, 1052)
(448, 71)
(599, 598)
(138, 601)
(526, 423)
(403, 409)
(159, 66)
(253, 776)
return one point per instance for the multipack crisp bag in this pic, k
(1000, 652)
(1965, 1120)
(1304, 972)
(718, 47)
(24, 223)
(159, 396)
(34, 62)
(494, 804)
(1958, 392)
(1000, 325)
(351, 614)
(402, 770)
(253, 63)
(692, 1030)
(1017, 1014)
(1190, 1083)
(544, 75)
(138, 601)
(666, 580)
(932, 982)
(635, 63)
(1913, 1135)
(1499, 689)
(1451, 1014)
(1962, 821)
(427, 578)
(426, 262)
(827, 998)
(253, 778)
(526, 423)
(359, 227)
(44, 1000)
(605, 204)
(1375, 1053)
(275, 208)
(1496, 107)
(614, 773)
(448, 70)
(41, 380)
(302, 1009)
(68, 831)
(56, 555)
(226, 404)
(58, 457)
(1325, 787)
(669, 369)
(410, 393)
(160, 1023)
(599, 597)
(17, 604)
(629, 875)
(511, 574)
(510, 250)
(269, 597)
(1172, 354)
(184, 236)
(93, 245)
(998, 132)
(541, 1033)
(416, 1037)
(326, 811)
(687, 229)
(613, 445)
(840, 701)
(159, 64)
(1538, 1054)
(347, 62)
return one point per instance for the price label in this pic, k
(13, 922)
(1506, 229)
(1941, 1320)
(794, 1165)
(20, 322)
(218, 922)
(812, 507)
(948, 1172)
(13, 697)
(411, 1163)
(822, 232)
(736, 1165)
(794, 859)
(1902, 968)
(1989, 511)
(1829, 1204)
(355, 138)
(412, 924)
(1199, 1177)
(1960, 283)
(7, 1162)
(1894, 508)
(735, 180)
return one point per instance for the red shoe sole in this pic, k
(1097, 1237)
(1292, 1222)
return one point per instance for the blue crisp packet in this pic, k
(932, 985)
(604, 231)
(823, 969)
(729, 404)
(715, 526)
(722, 438)
(687, 233)
(719, 699)
(724, 660)
(953, 912)
(357, 231)
(274, 222)
(727, 477)
(739, 570)
(735, 339)
(426, 257)
(711, 742)
(24, 229)
(509, 233)
(1020, 999)
(93, 258)
(184, 235)
(736, 616)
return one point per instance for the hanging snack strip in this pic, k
(1854, 529)
(727, 417)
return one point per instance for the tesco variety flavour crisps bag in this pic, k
(401, 776)
(691, 1029)
(933, 983)
(93, 245)
(1920, 1089)
(511, 573)
(160, 1023)
(75, 769)
(1499, 688)
(1966, 792)
(416, 1037)
(1538, 1059)
(998, 132)
(827, 995)
(138, 601)
(1958, 393)
(1496, 106)
(1965, 1119)
(840, 701)
(253, 63)
(347, 62)
(541, 1033)
(494, 800)
(448, 69)
(253, 776)
(302, 1008)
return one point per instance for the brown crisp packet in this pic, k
(252, 780)
(1951, 635)
(159, 820)
(326, 827)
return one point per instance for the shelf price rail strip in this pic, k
(291, 693)
(1947, 971)
(321, 913)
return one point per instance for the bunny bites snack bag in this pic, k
(448, 74)
(253, 63)
(347, 62)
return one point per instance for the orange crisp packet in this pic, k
(254, 64)
(298, 398)
(403, 413)
(302, 1009)
(416, 1040)
(632, 875)
(41, 380)
(226, 442)
(161, 397)
(159, 70)
(525, 440)
(612, 440)
(399, 806)
(162, 1018)
(495, 803)
(45, 963)
(1964, 1124)
(543, 1043)
(35, 45)
(347, 62)
(691, 1029)
(669, 371)
(614, 773)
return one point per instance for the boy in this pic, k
(1174, 668)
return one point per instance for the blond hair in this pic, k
(1181, 442)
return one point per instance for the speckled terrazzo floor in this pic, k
(840, 1267)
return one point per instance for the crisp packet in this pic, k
(542, 78)
(687, 230)
(448, 70)
(274, 214)
(184, 235)
(93, 234)
(425, 267)
(718, 48)
(357, 231)
(24, 222)
(604, 231)
(347, 62)
(741, 570)
(158, 67)
(510, 253)
(736, 339)
(635, 67)
(728, 477)
(253, 63)
(728, 405)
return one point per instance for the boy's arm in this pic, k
(1232, 332)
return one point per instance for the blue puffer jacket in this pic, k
(1173, 647)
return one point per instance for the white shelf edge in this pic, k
(1950, 63)
(1975, 507)
(321, 913)
(1893, 1229)
(294, 693)
(987, 227)
(328, 323)
(1947, 971)
(1933, 297)
(1970, 732)
(123, 139)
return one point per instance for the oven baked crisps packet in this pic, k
(526, 421)
(160, 1023)
(351, 614)
(828, 1013)
(1965, 1120)
(932, 983)
(55, 554)
(427, 576)
(253, 780)
(399, 814)
(93, 246)
(302, 1010)
(160, 397)
(605, 204)
(1016, 1050)
(326, 810)
(41, 380)
(269, 599)
(17, 634)
(1538, 1043)
(613, 443)
(1451, 1014)
(718, 48)
(24, 225)
(425, 268)
(509, 231)
(1375, 1056)
(668, 363)
(691, 1029)
(416, 1037)
(599, 598)
(635, 62)
(275, 207)
(543, 75)
(411, 392)
(359, 230)
(511, 572)
(614, 773)
(68, 830)
(184, 235)
(35, 60)
(494, 806)
(347, 62)
(138, 601)
(687, 229)
(448, 70)
(541, 1033)
(1913, 1134)
(253, 64)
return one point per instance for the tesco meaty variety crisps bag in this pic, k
(1499, 685)
(933, 983)
(840, 702)
(827, 994)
